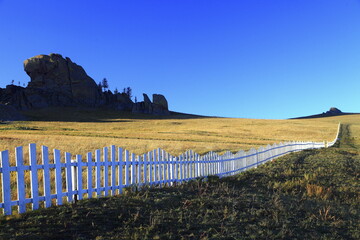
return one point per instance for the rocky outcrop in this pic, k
(66, 81)
(9, 113)
(158, 106)
(57, 81)
(14, 96)
(160, 100)
(118, 101)
(334, 111)
(331, 113)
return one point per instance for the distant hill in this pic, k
(331, 113)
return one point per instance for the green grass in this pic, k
(313, 194)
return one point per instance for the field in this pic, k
(313, 194)
(175, 134)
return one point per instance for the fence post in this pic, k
(151, 168)
(58, 177)
(46, 177)
(169, 169)
(155, 165)
(34, 176)
(132, 179)
(127, 163)
(177, 169)
(98, 172)
(20, 179)
(160, 167)
(145, 168)
(89, 175)
(209, 167)
(79, 177)
(138, 163)
(69, 185)
(106, 171)
(74, 180)
(6, 190)
(121, 163)
(113, 169)
(181, 167)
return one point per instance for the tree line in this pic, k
(104, 86)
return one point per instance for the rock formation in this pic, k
(160, 100)
(158, 106)
(62, 79)
(334, 111)
(57, 81)
(9, 113)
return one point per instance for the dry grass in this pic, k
(275, 196)
(320, 192)
(173, 135)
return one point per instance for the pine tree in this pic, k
(105, 84)
(129, 92)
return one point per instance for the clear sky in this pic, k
(232, 58)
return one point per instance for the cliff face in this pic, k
(57, 81)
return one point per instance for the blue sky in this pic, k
(269, 59)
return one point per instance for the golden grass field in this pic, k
(173, 135)
(80, 132)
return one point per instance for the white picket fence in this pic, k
(65, 179)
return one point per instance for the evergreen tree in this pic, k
(105, 84)
(129, 92)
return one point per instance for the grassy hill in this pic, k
(313, 194)
(81, 131)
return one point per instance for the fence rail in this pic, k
(66, 178)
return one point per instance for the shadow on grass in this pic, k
(73, 114)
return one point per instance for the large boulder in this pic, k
(61, 77)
